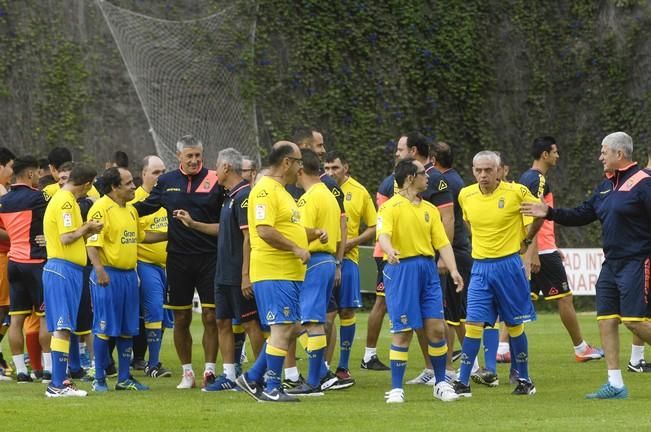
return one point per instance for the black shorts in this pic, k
(379, 282)
(231, 304)
(185, 273)
(25, 288)
(85, 313)
(551, 280)
(623, 289)
(454, 303)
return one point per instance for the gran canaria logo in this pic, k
(128, 237)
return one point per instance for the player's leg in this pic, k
(370, 361)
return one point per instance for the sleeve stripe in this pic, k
(445, 205)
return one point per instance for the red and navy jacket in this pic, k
(200, 195)
(21, 211)
(622, 203)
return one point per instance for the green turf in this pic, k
(558, 405)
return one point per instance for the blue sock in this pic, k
(74, 360)
(154, 340)
(469, 348)
(346, 338)
(101, 352)
(398, 356)
(491, 342)
(125, 350)
(256, 372)
(275, 360)
(60, 348)
(438, 354)
(521, 355)
(316, 345)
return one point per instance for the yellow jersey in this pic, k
(62, 216)
(118, 240)
(153, 253)
(50, 190)
(415, 229)
(319, 209)
(271, 205)
(359, 207)
(496, 224)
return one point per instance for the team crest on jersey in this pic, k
(301, 202)
(443, 185)
(245, 203)
(263, 193)
(286, 311)
(206, 185)
(66, 206)
(271, 316)
(426, 216)
(500, 203)
(96, 215)
(296, 216)
(403, 319)
(349, 196)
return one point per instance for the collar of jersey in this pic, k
(241, 185)
(620, 170)
(188, 175)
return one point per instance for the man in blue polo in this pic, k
(622, 203)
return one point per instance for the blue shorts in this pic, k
(153, 283)
(316, 290)
(62, 286)
(348, 295)
(623, 289)
(277, 301)
(116, 307)
(413, 293)
(499, 286)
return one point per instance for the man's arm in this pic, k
(276, 240)
(86, 230)
(100, 272)
(447, 217)
(578, 216)
(203, 227)
(247, 291)
(153, 202)
(393, 256)
(154, 237)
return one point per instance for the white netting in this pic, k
(186, 76)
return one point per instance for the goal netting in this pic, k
(187, 75)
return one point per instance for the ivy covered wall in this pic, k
(480, 74)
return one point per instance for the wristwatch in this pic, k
(337, 262)
(527, 241)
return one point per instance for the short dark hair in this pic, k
(82, 174)
(110, 178)
(43, 163)
(67, 166)
(302, 134)
(6, 156)
(542, 144)
(442, 152)
(46, 180)
(59, 155)
(121, 159)
(279, 153)
(418, 140)
(405, 168)
(311, 163)
(333, 155)
(23, 163)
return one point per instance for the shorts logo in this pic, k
(443, 185)
(427, 217)
(271, 317)
(553, 291)
(66, 206)
(500, 203)
(565, 286)
(60, 322)
(102, 325)
(262, 194)
(403, 319)
(245, 203)
(349, 196)
(286, 311)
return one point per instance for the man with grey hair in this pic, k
(499, 285)
(622, 203)
(190, 191)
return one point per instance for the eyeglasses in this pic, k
(423, 172)
(298, 160)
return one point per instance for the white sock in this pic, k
(229, 371)
(47, 362)
(368, 353)
(327, 365)
(475, 366)
(580, 347)
(82, 348)
(503, 348)
(187, 368)
(210, 367)
(19, 362)
(292, 373)
(637, 354)
(615, 378)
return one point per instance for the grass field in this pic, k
(558, 405)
